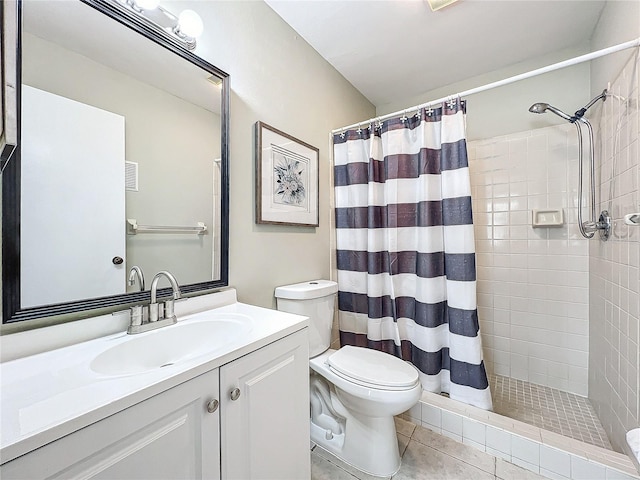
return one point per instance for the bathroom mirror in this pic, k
(122, 161)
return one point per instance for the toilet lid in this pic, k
(372, 367)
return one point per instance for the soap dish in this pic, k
(547, 218)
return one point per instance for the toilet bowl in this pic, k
(354, 392)
(365, 406)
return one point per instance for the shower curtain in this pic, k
(405, 248)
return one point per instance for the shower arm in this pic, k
(580, 113)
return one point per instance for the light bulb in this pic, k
(190, 24)
(147, 4)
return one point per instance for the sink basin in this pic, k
(202, 334)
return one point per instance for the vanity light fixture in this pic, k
(438, 4)
(183, 29)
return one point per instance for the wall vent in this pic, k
(131, 176)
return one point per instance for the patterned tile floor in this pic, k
(548, 408)
(426, 455)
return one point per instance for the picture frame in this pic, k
(287, 185)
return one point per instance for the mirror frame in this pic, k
(12, 311)
(8, 121)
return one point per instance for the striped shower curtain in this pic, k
(405, 248)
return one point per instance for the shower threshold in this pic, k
(538, 449)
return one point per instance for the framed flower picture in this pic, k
(286, 179)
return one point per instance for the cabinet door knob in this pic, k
(212, 406)
(235, 394)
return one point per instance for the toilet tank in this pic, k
(316, 300)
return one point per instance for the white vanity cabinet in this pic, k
(265, 412)
(170, 435)
(259, 429)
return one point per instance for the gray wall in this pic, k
(276, 78)
(619, 22)
(172, 140)
(504, 110)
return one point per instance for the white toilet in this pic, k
(354, 392)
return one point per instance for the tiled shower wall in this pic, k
(533, 283)
(614, 374)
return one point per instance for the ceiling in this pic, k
(391, 50)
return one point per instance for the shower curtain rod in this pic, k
(506, 81)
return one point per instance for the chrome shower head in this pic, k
(543, 107)
(538, 108)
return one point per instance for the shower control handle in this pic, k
(603, 225)
(590, 227)
(235, 394)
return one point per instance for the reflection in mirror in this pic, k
(122, 161)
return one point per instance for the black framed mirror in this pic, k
(122, 161)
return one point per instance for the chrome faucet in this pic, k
(136, 273)
(154, 306)
(159, 314)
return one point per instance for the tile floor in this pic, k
(554, 410)
(425, 455)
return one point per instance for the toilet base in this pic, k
(369, 444)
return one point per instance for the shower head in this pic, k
(538, 108)
(543, 107)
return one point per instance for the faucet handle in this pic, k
(137, 313)
(154, 312)
(168, 309)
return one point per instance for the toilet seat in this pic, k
(373, 369)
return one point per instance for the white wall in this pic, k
(614, 371)
(277, 78)
(533, 293)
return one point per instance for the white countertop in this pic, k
(54, 393)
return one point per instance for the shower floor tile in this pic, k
(544, 407)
